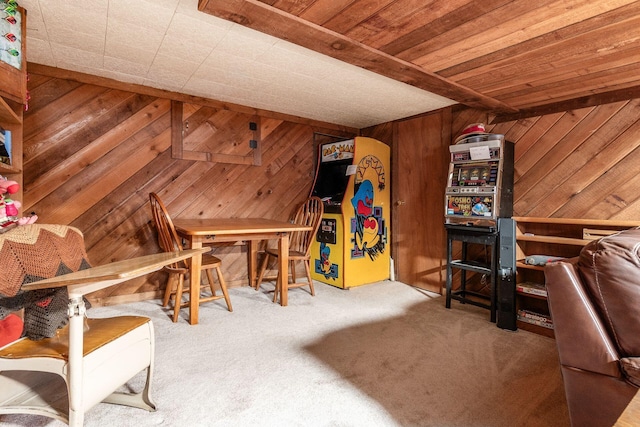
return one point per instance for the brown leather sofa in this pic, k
(595, 305)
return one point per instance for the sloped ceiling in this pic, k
(169, 44)
(353, 62)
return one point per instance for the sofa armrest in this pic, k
(581, 337)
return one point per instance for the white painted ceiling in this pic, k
(169, 44)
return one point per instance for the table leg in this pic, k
(194, 291)
(252, 263)
(283, 258)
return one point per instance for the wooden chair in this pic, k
(66, 363)
(309, 213)
(170, 241)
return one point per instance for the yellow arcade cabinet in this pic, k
(352, 247)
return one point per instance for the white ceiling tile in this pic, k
(72, 57)
(66, 38)
(130, 67)
(169, 44)
(182, 50)
(118, 41)
(35, 23)
(245, 43)
(150, 15)
(223, 92)
(40, 51)
(166, 70)
(122, 77)
(80, 20)
(189, 29)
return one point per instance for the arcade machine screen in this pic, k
(331, 183)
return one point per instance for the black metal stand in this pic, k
(474, 235)
(500, 269)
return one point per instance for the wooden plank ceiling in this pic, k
(514, 58)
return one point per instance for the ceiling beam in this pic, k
(277, 23)
(571, 104)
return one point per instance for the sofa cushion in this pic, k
(610, 269)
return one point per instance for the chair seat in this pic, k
(210, 261)
(100, 332)
(292, 254)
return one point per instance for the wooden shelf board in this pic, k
(556, 240)
(522, 264)
(7, 114)
(577, 221)
(540, 330)
(529, 295)
(4, 168)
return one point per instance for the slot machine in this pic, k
(478, 210)
(480, 184)
(351, 247)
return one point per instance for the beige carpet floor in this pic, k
(385, 354)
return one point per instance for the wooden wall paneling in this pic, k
(94, 154)
(613, 196)
(614, 163)
(45, 126)
(51, 121)
(513, 130)
(229, 132)
(555, 167)
(382, 132)
(461, 118)
(46, 170)
(112, 163)
(44, 89)
(596, 155)
(119, 219)
(536, 129)
(121, 204)
(525, 167)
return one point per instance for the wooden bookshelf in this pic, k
(554, 237)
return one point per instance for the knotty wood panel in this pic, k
(92, 155)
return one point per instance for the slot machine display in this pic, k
(480, 185)
(352, 244)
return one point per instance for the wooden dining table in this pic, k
(197, 232)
